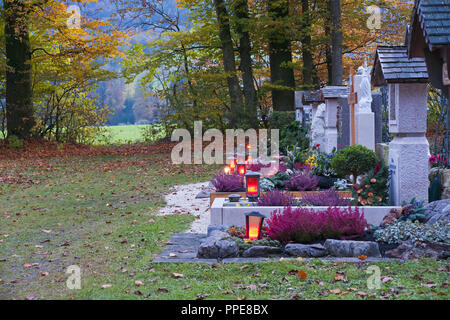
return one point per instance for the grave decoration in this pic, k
(253, 225)
(241, 169)
(252, 187)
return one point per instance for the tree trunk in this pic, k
(251, 101)
(280, 56)
(336, 43)
(229, 63)
(308, 63)
(19, 91)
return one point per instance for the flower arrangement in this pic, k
(305, 225)
(276, 198)
(373, 189)
(228, 182)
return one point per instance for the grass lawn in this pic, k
(125, 134)
(98, 213)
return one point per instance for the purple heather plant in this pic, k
(304, 225)
(302, 181)
(276, 198)
(228, 182)
(329, 197)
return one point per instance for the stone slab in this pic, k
(235, 216)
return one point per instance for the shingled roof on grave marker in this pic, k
(432, 18)
(334, 91)
(312, 96)
(392, 65)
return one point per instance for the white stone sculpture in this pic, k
(364, 91)
(318, 126)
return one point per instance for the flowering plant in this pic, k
(306, 225)
(228, 182)
(373, 189)
(276, 198)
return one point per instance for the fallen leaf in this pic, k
(137, 292)
(361, 293)
(177, 275)
(338, 277)
(138, 283)
(362, 257)
(44, 274)
(336, 291)
(163, 290)
(385, 279)
(245, 266)
(301, 274)
(106, 286)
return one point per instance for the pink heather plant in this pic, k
(228, 182)
(329, 197)
(304, 225)
(302, 181)
(276, 198)
(256, 167)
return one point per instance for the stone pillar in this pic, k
(408, 151)
(331, 133)
(299, 112)
(364, 121)
(344, 123)
(377, 109)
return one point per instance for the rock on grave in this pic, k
(437, 210)
(202, 194)
(410, 250)
(261, 251)
(305, 250)
(349, 248)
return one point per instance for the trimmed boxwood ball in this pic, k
(353, 160)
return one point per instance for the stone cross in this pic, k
(352, 100)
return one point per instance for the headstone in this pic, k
(408, 151)
(377, 109)
(299, 112)
(318, 126)
(344, 131)
(331, 94)
(364, 118)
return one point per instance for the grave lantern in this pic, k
(241, 169)
(227, 170)
(253, 223)
(252, 185)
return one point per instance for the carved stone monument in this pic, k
(406, 80)
(318, 127)
(331, 94)
(364, 117)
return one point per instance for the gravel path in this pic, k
(181, 199)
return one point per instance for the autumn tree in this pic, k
(19, 91)
(280, 55)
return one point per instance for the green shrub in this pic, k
(291, 133)
(414, 231)
(15, 142)
(353, 160)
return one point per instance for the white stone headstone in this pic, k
(318, 126)
(364, 117)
